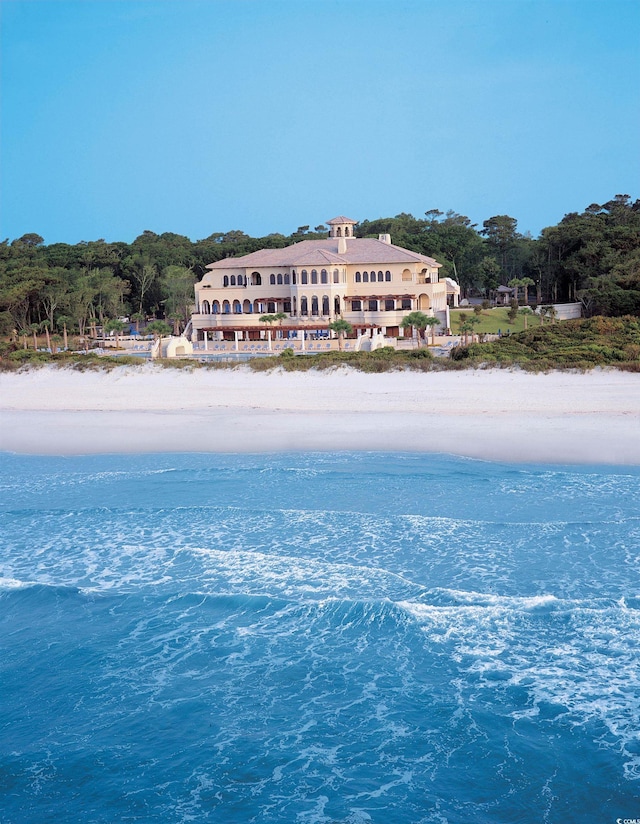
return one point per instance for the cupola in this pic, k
(341, 226)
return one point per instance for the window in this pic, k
(314, 276)
(336, 276)
(303, 306)
(325, 305)
(226, 308)
(205, 308)
(233, 280)
(237, 309)
(389, 305)
(272, 280)
(323, 276)
(294, 278)
(336, 305)
(240, 280)
(358, 277)
(304, 278)
(314, 305)
(279, 280)
(406, 303)
(287, 280)
(216, 307)
(365, 277)
(373, 305)
(256, 279)
(387, 276)
(247, 308)
(271, 307)
(225, 280)
(406, 274)
(380, 277)
(356, 306)
(286, 306)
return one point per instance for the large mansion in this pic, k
(370, 283)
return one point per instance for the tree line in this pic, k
(593, 256)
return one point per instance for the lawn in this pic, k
(492, 320)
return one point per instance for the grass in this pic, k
(493, 320)
(574, 344)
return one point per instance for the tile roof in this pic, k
(335, 221)
(363, 251)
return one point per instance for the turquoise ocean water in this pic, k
(318, 638)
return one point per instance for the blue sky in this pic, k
(202, 116)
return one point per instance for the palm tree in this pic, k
(117, 326)
(526, 283)
(525, 312)
(159, 329)
(270, 319)
(418, 321)
(341, 328)
(45, 325)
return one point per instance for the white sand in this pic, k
(496, 414)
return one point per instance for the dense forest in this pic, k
(593, 257)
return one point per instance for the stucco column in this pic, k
(235, 341)
(205, 341)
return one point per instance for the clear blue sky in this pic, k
(199, 116)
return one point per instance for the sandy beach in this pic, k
(504, 415)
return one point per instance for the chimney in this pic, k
(385, 239)
(342, 245)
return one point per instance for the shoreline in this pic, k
(501, 415)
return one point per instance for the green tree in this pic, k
(418, 321)
(341, 328)
(159, 329)
(116, 326)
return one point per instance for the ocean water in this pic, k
(318, 638)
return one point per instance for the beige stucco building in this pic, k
(370, 283)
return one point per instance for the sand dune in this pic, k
(494, 414)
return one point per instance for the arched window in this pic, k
(314, 276)
(325, 305)
(226, 308)
(336, 305)
(225, 280)
(380, 277)
(314, 305)
(303, 277)
(256, 279)
(232, 280)
(247, 308)
(406, 274)
(358, 277)
(294, 308)
(365, 277)
(373, 305)
(323, 276)
(294, 278)
(303, 306)
(205, 307)
(272, 280)
(346, 231)
(215, 308)
(237, 308)
(286, 280)
(279, 280)
(339, 232)
(257, 307)
(387, 276)
(336, 276)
